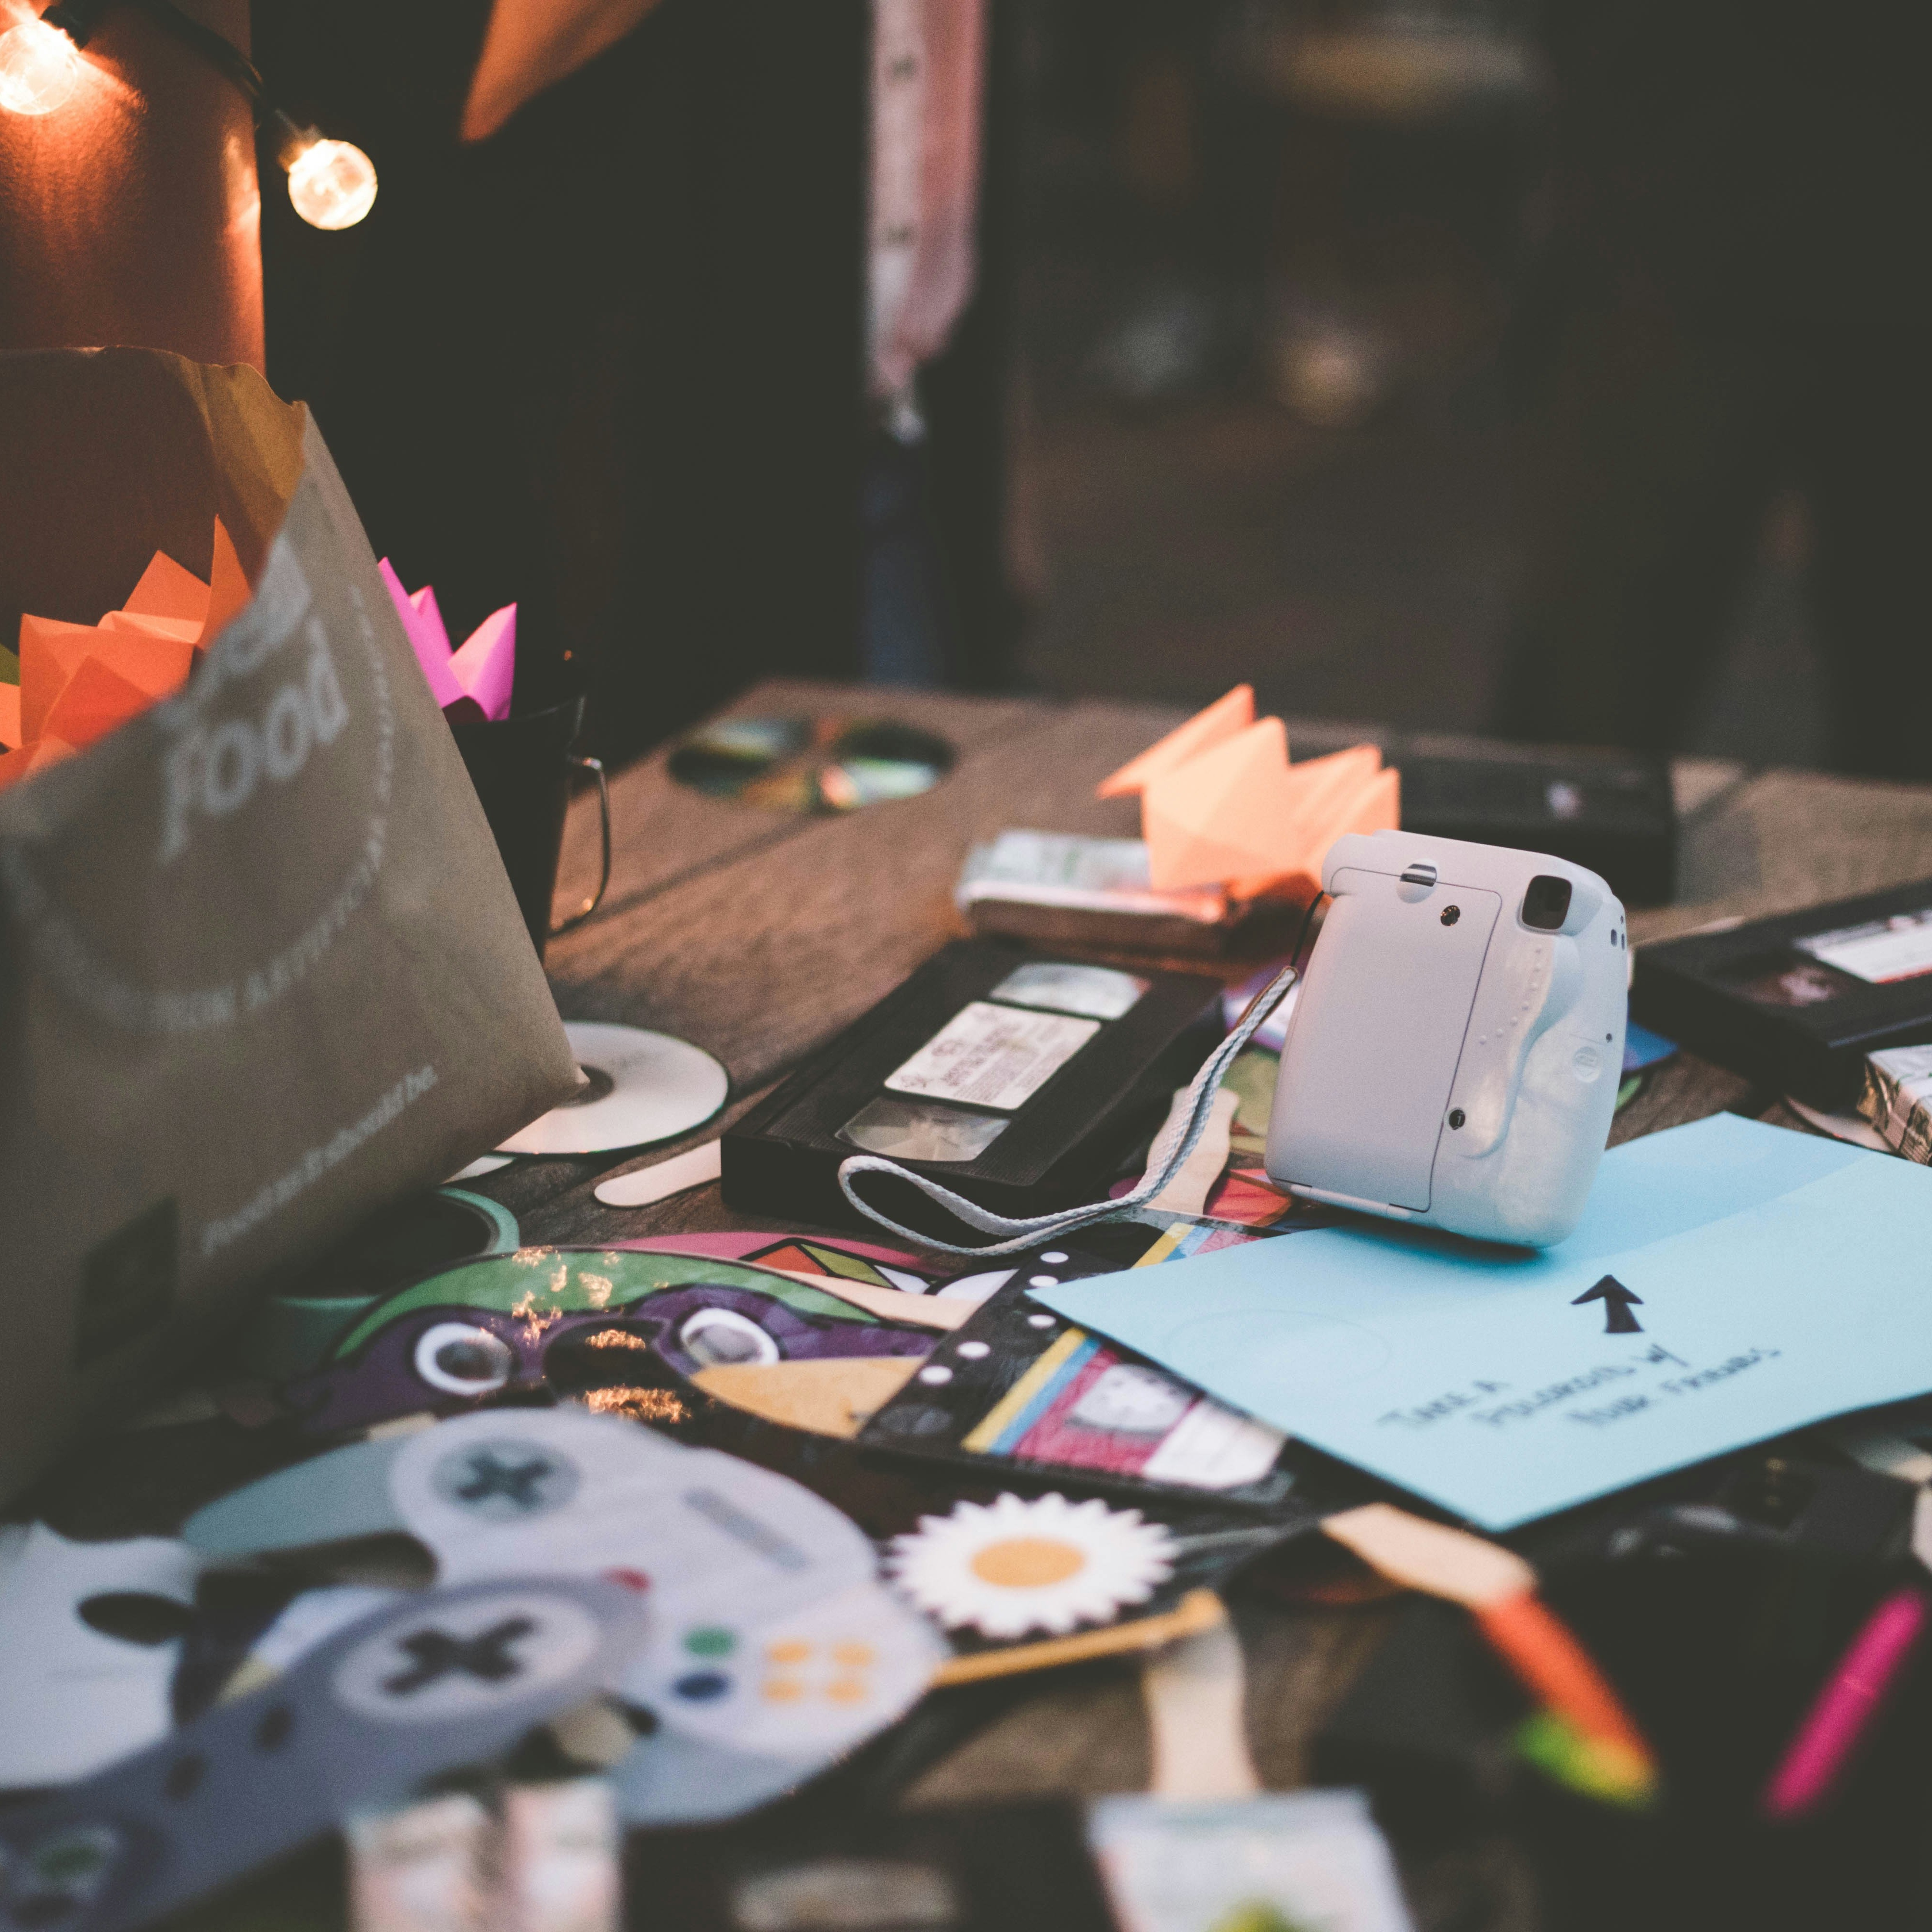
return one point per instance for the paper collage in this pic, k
(447, 1677)
(1221, 805)
(479, 1330)
(1729, 1282)
(773, 1647)
(71, 684)
(1017, 1386)
(1014, 1566)
(93, 1630)
(831, 1338)
(1282, 1860)
(470, 683)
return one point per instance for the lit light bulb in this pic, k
(332, 184)
(39, 68)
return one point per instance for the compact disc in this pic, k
(823, 764)
(1853, 1127)
(644, 1086)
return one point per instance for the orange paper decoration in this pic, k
(79, 681)
(1221, 805)
(1206, 729)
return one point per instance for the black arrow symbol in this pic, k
(1617, 1301)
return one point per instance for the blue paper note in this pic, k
(1643, 1048)
(1758, 1280)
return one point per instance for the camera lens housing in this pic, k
(1546, 904)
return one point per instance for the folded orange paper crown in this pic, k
(1221, 805)
(79, 682)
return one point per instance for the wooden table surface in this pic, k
(758, 936)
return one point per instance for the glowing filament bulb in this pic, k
(39, 68)
(332, 184)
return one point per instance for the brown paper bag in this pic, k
(260, 969)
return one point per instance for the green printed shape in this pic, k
(848, 1267)
(543, 1282)
(1565, 1756)
(1253, 1079)
(1258, 1915)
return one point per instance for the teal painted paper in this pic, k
(1779, 1278)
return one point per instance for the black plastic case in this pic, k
(1062, 1147)
(1749, 999)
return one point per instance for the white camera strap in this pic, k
(1165, 1158)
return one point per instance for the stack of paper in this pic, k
(1897, 1098)
(72, 683)
(1221, 805)
(471, 683)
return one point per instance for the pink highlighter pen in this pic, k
(1844, 1709)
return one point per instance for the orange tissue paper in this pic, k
(1221, 806)
(74, 683)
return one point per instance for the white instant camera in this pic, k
(1454, 1053)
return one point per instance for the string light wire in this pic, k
(332, 184)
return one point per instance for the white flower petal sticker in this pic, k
(1014, 1565)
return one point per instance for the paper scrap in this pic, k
(1223, 719)
(1187, 1192)
(1031, 1563)
(1221, 806)
(894, 1304)
(1195, 1691)
(835, 1395)
(166, 589)
(77, 683)
(1431, 1556)
(95, 701)
(1728, 1281)
(486, 666)
(559, 1867)
(697, 1167)
(475, 680)
(421, 1868)
(73, 1697)
(1281, 1859)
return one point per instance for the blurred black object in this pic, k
(1716, 1603)
(1612, 812)
(1749, 999)
(1060, 1147)
(1731, 297)
(1427, 1727)
(812, 1868)
(607, 364)
(521, 767)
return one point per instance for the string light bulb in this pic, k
(39, 68)
(332, 184)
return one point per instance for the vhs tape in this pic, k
(1799, 1000)
(1019, 1081)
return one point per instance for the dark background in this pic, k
(1480, 366)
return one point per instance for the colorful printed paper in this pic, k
(773, 1648)
(471, 683)
(74, 1696)
(1274, 1863)
(1221, 805)
(1019, 1564)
